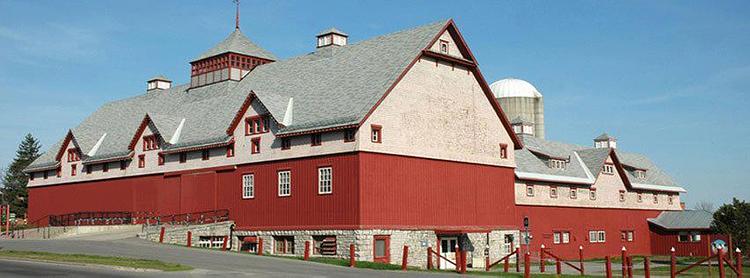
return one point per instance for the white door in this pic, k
(448, 250)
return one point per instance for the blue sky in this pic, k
(668, 78)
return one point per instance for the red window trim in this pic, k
(503, 151)
(379, 129)
(230, 150)
(73, 170)
(255, 145)
(59, 172)
(150, 143)
(142, 161)
(73, 155)
(384, 259)
(316, 139)
(161, 159)
(262, 128)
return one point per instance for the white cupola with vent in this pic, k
(605, 141)
(521, 125)
(332, 36)
(158, 82)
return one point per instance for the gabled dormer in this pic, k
(231, 59)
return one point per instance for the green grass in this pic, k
(698, 271)
(91, 259)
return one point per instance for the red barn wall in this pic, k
(543, 221)
(663, 241)
(408, 192)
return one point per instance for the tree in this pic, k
(705, 206)
(14, 180)
(734, 220)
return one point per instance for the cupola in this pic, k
(605, 141)
(331, 37)
(158, 82)
(521, 125)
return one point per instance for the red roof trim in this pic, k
(243, 109)
(316, 130)
(138, 132)
(63, 146)
(197, 148)
(448, 58)
(620, 169)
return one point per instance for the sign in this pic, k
(718, 245)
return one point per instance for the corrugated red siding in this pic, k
(398, 191)
(543, 221)
(663, 241)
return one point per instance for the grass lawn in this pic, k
(698, 271)
(90, 259)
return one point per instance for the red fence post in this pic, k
(161, 235)
(458, 259)
(429, 258)
(518, 260)
(672, 264)
(352, 261)
(307, 250)
(541, 259)
(189, 239)
(624, 256)
(487, 263)
(224, 244)
(464, 253)
(7, 221)
(527, 265)
(505, 264)
(722, 271)
(260, 246)
(630, 266)
(647, 267)
(405, 258)
(558, 266)
(580, 257)
(608, 266)
(738, 263)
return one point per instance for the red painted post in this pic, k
(624, 256)
(558, 266)
(458, 259)
(630, 266)
(580, 257)
(260, 246)
(505, 265)
(487, 263)
(647, 267)
(672, 264)
(518, 260)
(541, 259)
(738, 261)
(429, 258)
(404, 258)
(189, 239)
(161, 235)
(608, 266)
(464, 253)
(352, 261)
(722, 271)
(307, 250)
(7, 221)
(527, 265)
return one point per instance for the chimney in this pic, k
(158, 82)
(332, 36)
(605, 141)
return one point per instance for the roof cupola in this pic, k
(158, 82)
(605, 141)
(521, 125)
(332, 36)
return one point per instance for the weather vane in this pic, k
(237, 16)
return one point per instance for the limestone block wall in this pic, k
(177, 234)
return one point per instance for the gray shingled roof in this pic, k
(683, 220)
(604, 137)
(331, 87)
(532, 159)
(237, 43)
(332, 30)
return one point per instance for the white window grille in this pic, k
(248, 186)
(325, 180)
(285, 183)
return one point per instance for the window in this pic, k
(88, 169)
(640, 197)
(285, 183)
(608, 169)
(592, 194)
(283, 244)
(695, 237)
(266, 124)
(670, 198)
(142, 161)
(377, 136)
(349, 135)
(622, 195)
(382, 249)
(255, 145)
(553, 192)
(59, 172)
(73, 155)
(574, 193)
(565, 237)
(150, 142)
(286, 143)
(557, 163)
(31, 176)
(324, 245)
(183, 157)
(656, 198)
(325, 180)
(257, 125)
(248, 186)
(46, 175)
(530, 190)
(123, 165)
(214, 242)
(626, 236)
(556, 237)
(683, 237)
(689, 237)
(597, 236)
(161, 159)
(73, 170)
(641, 174)
(105, 167)
(561, 237)
(205, 155)
(503, 151)
(315, 139)
(443, 47)
(230, 150)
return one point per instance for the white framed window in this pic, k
(325, 180)
(671, 199)
(640, 197)
(597, 236)
(592, 194)
(630, 236)
(248, 186)
(574, 193)
(656, 198)
(565, 237)
(556, 237)
(641, 174)
(557, 164)
(608, 169)
(285, 183)
(530, 190)
(622, 195)
(553, 192)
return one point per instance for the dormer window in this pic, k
(641, 174)
(444, 46)
(556, 163)
(73, 155)
(150, 142)
(257, 125)
(608, 169)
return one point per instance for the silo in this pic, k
(519, 98)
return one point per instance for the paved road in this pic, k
(207, 262)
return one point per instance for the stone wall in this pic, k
(177, 234)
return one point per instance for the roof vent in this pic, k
(158, 82)
(605, 141)
(332, 36)
(521, 125)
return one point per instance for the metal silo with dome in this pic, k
(521, 100)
